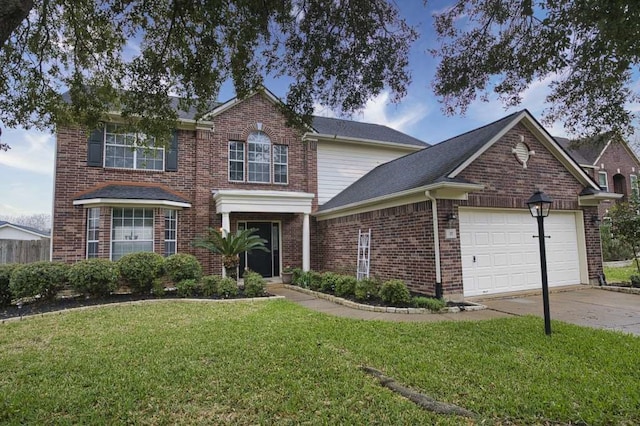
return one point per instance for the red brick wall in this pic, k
(616, 159)
(202, 168)
(402, 242)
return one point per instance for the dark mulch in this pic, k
(41, 307)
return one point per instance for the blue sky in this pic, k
(26, 171)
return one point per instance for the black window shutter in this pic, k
(171, 160)
(95, 148)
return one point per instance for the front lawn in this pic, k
(619, 274)
(276, 362)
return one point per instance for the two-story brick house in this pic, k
(240, 166)
(449, 217)
(613, 165)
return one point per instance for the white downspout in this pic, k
(436, 237)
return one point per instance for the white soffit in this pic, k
(229, 201)
(95, 202)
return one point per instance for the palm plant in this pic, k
(230, 246)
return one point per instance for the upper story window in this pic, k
(131, 150)
(602, 181)
(634, 185)
(265, 163)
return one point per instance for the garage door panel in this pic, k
(506, 254)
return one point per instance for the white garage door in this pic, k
(499, 253)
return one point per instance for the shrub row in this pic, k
(224, 288)
(95, 277)
(368, 290)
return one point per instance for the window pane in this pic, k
(258, 157)
(236, 161)
(131, 151)
(132, 231)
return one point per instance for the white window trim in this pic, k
(89, 218)
(134, 148)
(273, 162)
(634, 191)
(175, 238)
(244, 160)
(606, 178)
(112, 240)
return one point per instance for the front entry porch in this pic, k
(270, 212)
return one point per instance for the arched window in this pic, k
(259, 157)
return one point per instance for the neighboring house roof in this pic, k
(580, 154)
(29, 229)
(116, 192)
(439, 163)
(359, 130)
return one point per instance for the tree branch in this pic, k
(12, 13)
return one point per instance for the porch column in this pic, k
(226, 227)
(306, 243)
(226, 224)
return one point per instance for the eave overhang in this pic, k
(230, 201)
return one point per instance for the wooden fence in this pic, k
(18, 251)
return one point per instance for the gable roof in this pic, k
(438, 164)
(29, 229)
(358, 130)
(589, 152)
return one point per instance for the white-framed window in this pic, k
(236, 161)
(131, 150)
(93, 232)
(259, 157)
(280, 164)
(602, 181)
(634, 185)
(131, 231)
(170, 232)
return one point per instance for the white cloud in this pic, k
(31, 151)
(379, 110)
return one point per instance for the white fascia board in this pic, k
(440, 190)
(597, 161)
(230, 201)
(371, 142)
(544, 138)
(595, 199)
(93, 202)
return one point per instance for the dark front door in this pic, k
(260, 261)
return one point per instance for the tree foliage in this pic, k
(129, 55)
(587, 49)
(625, 225)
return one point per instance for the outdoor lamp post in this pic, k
(539, 206)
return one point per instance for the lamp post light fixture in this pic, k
(539, 205)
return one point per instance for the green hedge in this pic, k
(94, 277)
(45, 279)
(182, 266)
(140, 270)
(254, 284)
(395, 293)
(5, 278)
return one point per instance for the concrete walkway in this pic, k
(327, 307)
(581, 305)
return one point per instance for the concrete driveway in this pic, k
(591, 307)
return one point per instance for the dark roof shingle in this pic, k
(132, 192)
(427, 166)
(359, 130)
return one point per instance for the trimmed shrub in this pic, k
(635, 280)
(298, 277)
(395, 293)
(182, 266)
(140, 270)
(328, 282)
(227, 288)
(5, 277)
(346, 285)
(613, 248)
(254, 284)
(94, 277)
(367, 289)
(314, 280)
(39, 278)
(158, 288)
(188, 288)
(429, 303)
(209, 284)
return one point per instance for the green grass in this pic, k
(620, 274)
(275, 362)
